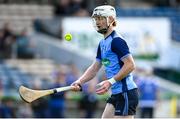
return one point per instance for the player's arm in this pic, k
(89, 74)
(127, 68)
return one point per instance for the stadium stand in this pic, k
(14, 73)
(38, 67)
(21, 16)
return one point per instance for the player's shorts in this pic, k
(125, 103)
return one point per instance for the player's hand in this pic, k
(77, 86)
(103, 87)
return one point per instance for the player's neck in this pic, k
(110, 30)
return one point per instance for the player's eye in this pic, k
(98, 18)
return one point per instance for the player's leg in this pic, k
(108, 111)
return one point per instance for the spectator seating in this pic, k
(22, 15)
(14, 73)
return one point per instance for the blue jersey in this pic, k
(111, 51)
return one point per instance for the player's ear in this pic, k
(112, 20)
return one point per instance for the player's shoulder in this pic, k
(117, 36)
(117, 40)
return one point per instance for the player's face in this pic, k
(100, 22)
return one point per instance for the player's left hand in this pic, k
(103, 87)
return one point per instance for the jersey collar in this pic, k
(111, 34)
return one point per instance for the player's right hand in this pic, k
(77, 86)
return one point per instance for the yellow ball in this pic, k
(68, 37)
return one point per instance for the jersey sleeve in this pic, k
(120, 47)
(98, 56)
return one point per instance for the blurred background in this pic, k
(33, 53)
